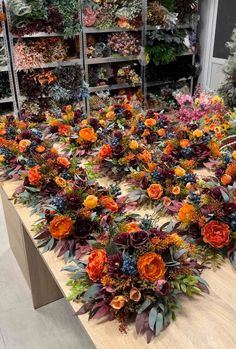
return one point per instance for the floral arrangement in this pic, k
(34, 53)
(30, 17)
(139, 274)
(124, 43)
(209, 217)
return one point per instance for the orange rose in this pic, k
(135, 294)
(2, 158)
(234, 155)
(184, 143)
(61, 227)
(34, 175)
(64, 162)
(118, 302)
(150, 122)
(40, 149)
(168, 149)
(151, 267)
(145, 156)
(180, 172)
(108, 203)
(231, 170)
(105, 151)
(23, 145)
(88, 134)
(216, 234)
(187, 213)
(133, 145)
(132, 227)
(96, 263)
(55, 123)
(226, 179)
(155, 191)
(61, 182)
(161, 132)
(91, 202)
(64, 130)
(110, 115)
(146, 133)
(152, 166)
(3, 131)
(176, 190)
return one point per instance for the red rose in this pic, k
(216, 234)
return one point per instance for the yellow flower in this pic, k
(179, 171)
(61, 182)
(176, 190)
(133, 145)
(91, 201)
(84, 122)
(2, 158)
(197, 102)
(197, 133)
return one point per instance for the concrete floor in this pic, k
(22, 327)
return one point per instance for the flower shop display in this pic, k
(29, 17)
(34, 53)
(125, 44)
(126, 266)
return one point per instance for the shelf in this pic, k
(111, 59)
(6, 100)
(179, 26)
(57, 64)
(160, 83)
(112, 87)
(3, 68)
(93, 30)
(39, 35)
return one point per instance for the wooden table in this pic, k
(205, 322)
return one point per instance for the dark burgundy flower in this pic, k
(53, 129)
(122, 239)
(155, 232)
(25, 134)
(49, 188)
(94, 123)
(118, 134)
(144, 183)
(162, 287)
(82, 228)
(118, 150)
(114, 263)
(128, 114)
(229, 208)
(138, 239)
(10, 118)
(216, 193)
(195, 231)
(201, 151)
(73, 202)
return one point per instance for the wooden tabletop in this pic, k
(205, 322)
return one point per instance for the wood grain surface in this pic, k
(205, 322)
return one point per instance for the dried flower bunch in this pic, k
(45, 16)
(31, 54)
(125, 44)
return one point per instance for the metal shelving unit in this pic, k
(7, 68)
(69, 62)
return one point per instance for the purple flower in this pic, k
(114, 263)
(118, 150)
(162, 287)
(82, 228)
(122, 239)
(156, 232)
(139, 239)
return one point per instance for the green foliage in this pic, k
(78, 287)
(209, 256)
(186, 284)
(161, 54)
(169, 4)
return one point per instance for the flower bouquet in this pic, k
(138, 275)
(209, 218)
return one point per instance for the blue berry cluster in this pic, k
(161, 123)
(6, 153)
(129, 265)
(115, 141)
(120, 112)
(37, 133)
(170, 135)
(146, 223)
(31, 163)
(157, 176)
(187, 152)
(141, 126)
(60, 203)
(189, 178)
(65, 175)
(206, 139)
(196, 199)
(10, 132)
